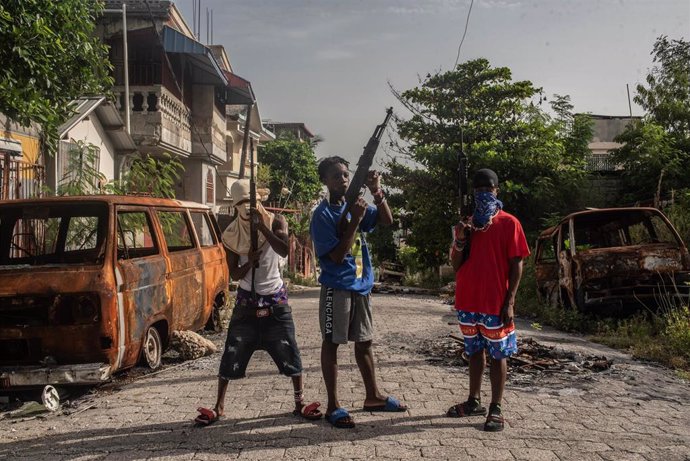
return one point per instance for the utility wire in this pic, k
(467, 21)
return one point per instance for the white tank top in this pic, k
(267, 276)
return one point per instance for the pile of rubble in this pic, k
(532, 357)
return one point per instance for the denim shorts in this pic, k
(273, 333)
(484, 331)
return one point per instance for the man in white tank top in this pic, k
(263, 321)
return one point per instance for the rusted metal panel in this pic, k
(77, 319)
(612, 256)
(84, 373)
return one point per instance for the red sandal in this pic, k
(310, 412)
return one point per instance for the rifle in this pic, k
(363, 164)
(253, 232)
(466, 204)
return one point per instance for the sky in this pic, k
(329, 63)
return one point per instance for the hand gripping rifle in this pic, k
(363, 165)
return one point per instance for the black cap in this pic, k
(485, 178)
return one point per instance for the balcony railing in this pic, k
(20, 179)
(601, 162)
(157, 116)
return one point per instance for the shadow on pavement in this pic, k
(227, 436)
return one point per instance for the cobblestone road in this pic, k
(634, 411)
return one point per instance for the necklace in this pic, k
(486, 226)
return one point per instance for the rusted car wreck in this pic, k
(91, 285)
(612, 258)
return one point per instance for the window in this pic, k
(134, 236)
(82, 233)
(210, 188)
(176, 230)
(547, 250)
(53, 234)
(207, 237)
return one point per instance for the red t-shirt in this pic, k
(482, 281)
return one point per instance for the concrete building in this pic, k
(605, 130)
(21, 174)
(297, 129)
(96, 121)
(183, 96)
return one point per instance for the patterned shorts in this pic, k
(484, 331)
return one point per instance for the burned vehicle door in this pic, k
(565, 263)
(142, 283)
(215, 266)
(186, 270)
(547, 267)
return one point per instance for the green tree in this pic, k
(539, 158)
(656, 153)
(49, 56)
(149, 175)
(294, 177)
(82, 176)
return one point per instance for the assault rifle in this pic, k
(363, 165)
(249, 142)
(466, 205)
(253, 232)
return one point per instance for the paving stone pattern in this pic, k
(634, 411)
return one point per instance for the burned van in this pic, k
(92, 285)
(618, 257)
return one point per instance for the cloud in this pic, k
(334, 55)
(500, 3)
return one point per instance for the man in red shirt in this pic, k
(487, 278)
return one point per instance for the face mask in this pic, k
(486, 205)
(243, 211)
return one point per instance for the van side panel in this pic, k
(186, 277)
(145, 299)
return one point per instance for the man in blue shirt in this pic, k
(346, 281)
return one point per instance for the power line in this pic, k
(467, 21)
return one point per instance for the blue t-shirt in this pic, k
(355, 272)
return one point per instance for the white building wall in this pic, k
(91, 131)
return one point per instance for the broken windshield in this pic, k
(39, 234)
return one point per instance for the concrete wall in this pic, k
(28, 136)
(91, 131)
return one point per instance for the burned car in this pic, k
(616, 259)
(92, 285)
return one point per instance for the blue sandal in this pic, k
(392, 405)
(341, 419)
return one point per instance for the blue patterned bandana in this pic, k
(486, 205)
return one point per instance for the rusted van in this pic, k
(92, 285)
(616, 257)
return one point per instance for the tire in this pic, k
(214, 322)
(152, 349)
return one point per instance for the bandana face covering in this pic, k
(243, 211)
(486, 207)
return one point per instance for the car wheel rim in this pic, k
(152, 349)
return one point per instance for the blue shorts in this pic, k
(484, 331)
